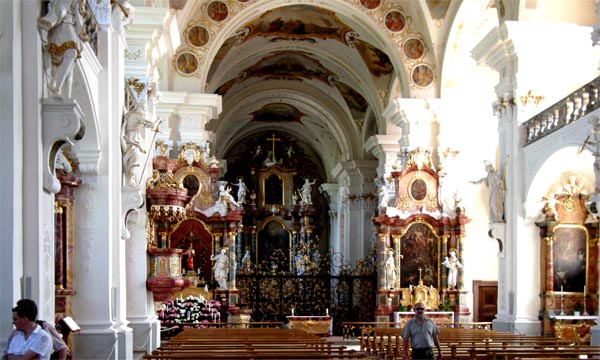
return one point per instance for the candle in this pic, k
(327, 312)
(292, 311)
(583, 290)
(561, 290)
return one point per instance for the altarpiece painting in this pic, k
(420, 249)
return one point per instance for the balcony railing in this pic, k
(573, 107)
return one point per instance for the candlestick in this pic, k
(562, 313)
(292, 311)
(327, 312)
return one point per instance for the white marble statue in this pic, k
(221, 268)
(306, 191)
(132, 141)
(495, 182)
(62, 36)
(390, 270)
(224, 201)
(453, 265)
(382, 190)
(242, 191)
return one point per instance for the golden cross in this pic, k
(273, 139)
(420, 269)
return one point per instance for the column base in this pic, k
(522, 326)
(146, 334)
(103, 343)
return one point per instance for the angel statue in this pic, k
(495, 182)
(62, 36)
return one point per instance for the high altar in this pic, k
(414, 245)
(569, 257)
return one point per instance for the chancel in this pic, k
(174, 165)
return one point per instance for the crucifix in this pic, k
(273, 139)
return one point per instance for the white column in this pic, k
(362, 200)
(12, 161)
(100, 281)
(38, 205)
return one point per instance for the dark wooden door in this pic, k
(486, 300)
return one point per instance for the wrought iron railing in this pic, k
(572, 108)
(346, 292)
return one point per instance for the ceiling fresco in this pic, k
(320, 70)
(300, 23)
(277, 112)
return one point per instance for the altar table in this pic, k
(318, 325)
(438, 317)
(573, 328)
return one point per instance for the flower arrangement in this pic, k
(189, 312)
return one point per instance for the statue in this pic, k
(305, 191)
(221, 268)
(246, 261)
(62, 33)
(299, 263)
(222, 204)
(190, 260)
(132, 141)
(495, 182)
(453, 265)
(390, 270)
(382, 189)
(242, 191)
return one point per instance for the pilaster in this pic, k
(361, 203)
(335, 207)
(187, 116)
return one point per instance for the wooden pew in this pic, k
(261, 343)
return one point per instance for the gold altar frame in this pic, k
(262, 240)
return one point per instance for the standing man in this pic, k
(28, 340)
(423, 335)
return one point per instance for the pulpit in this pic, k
(318, 325)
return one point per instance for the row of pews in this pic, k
(254, 343)
(462, 343)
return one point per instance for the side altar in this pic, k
(419, 242)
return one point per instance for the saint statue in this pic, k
(242, 191)
(390, 270)
(495, 182)
(190, 260)
(221, 268)
(306, 191)
(132, 141)
(453, 265)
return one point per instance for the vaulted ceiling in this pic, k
(321, 72)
